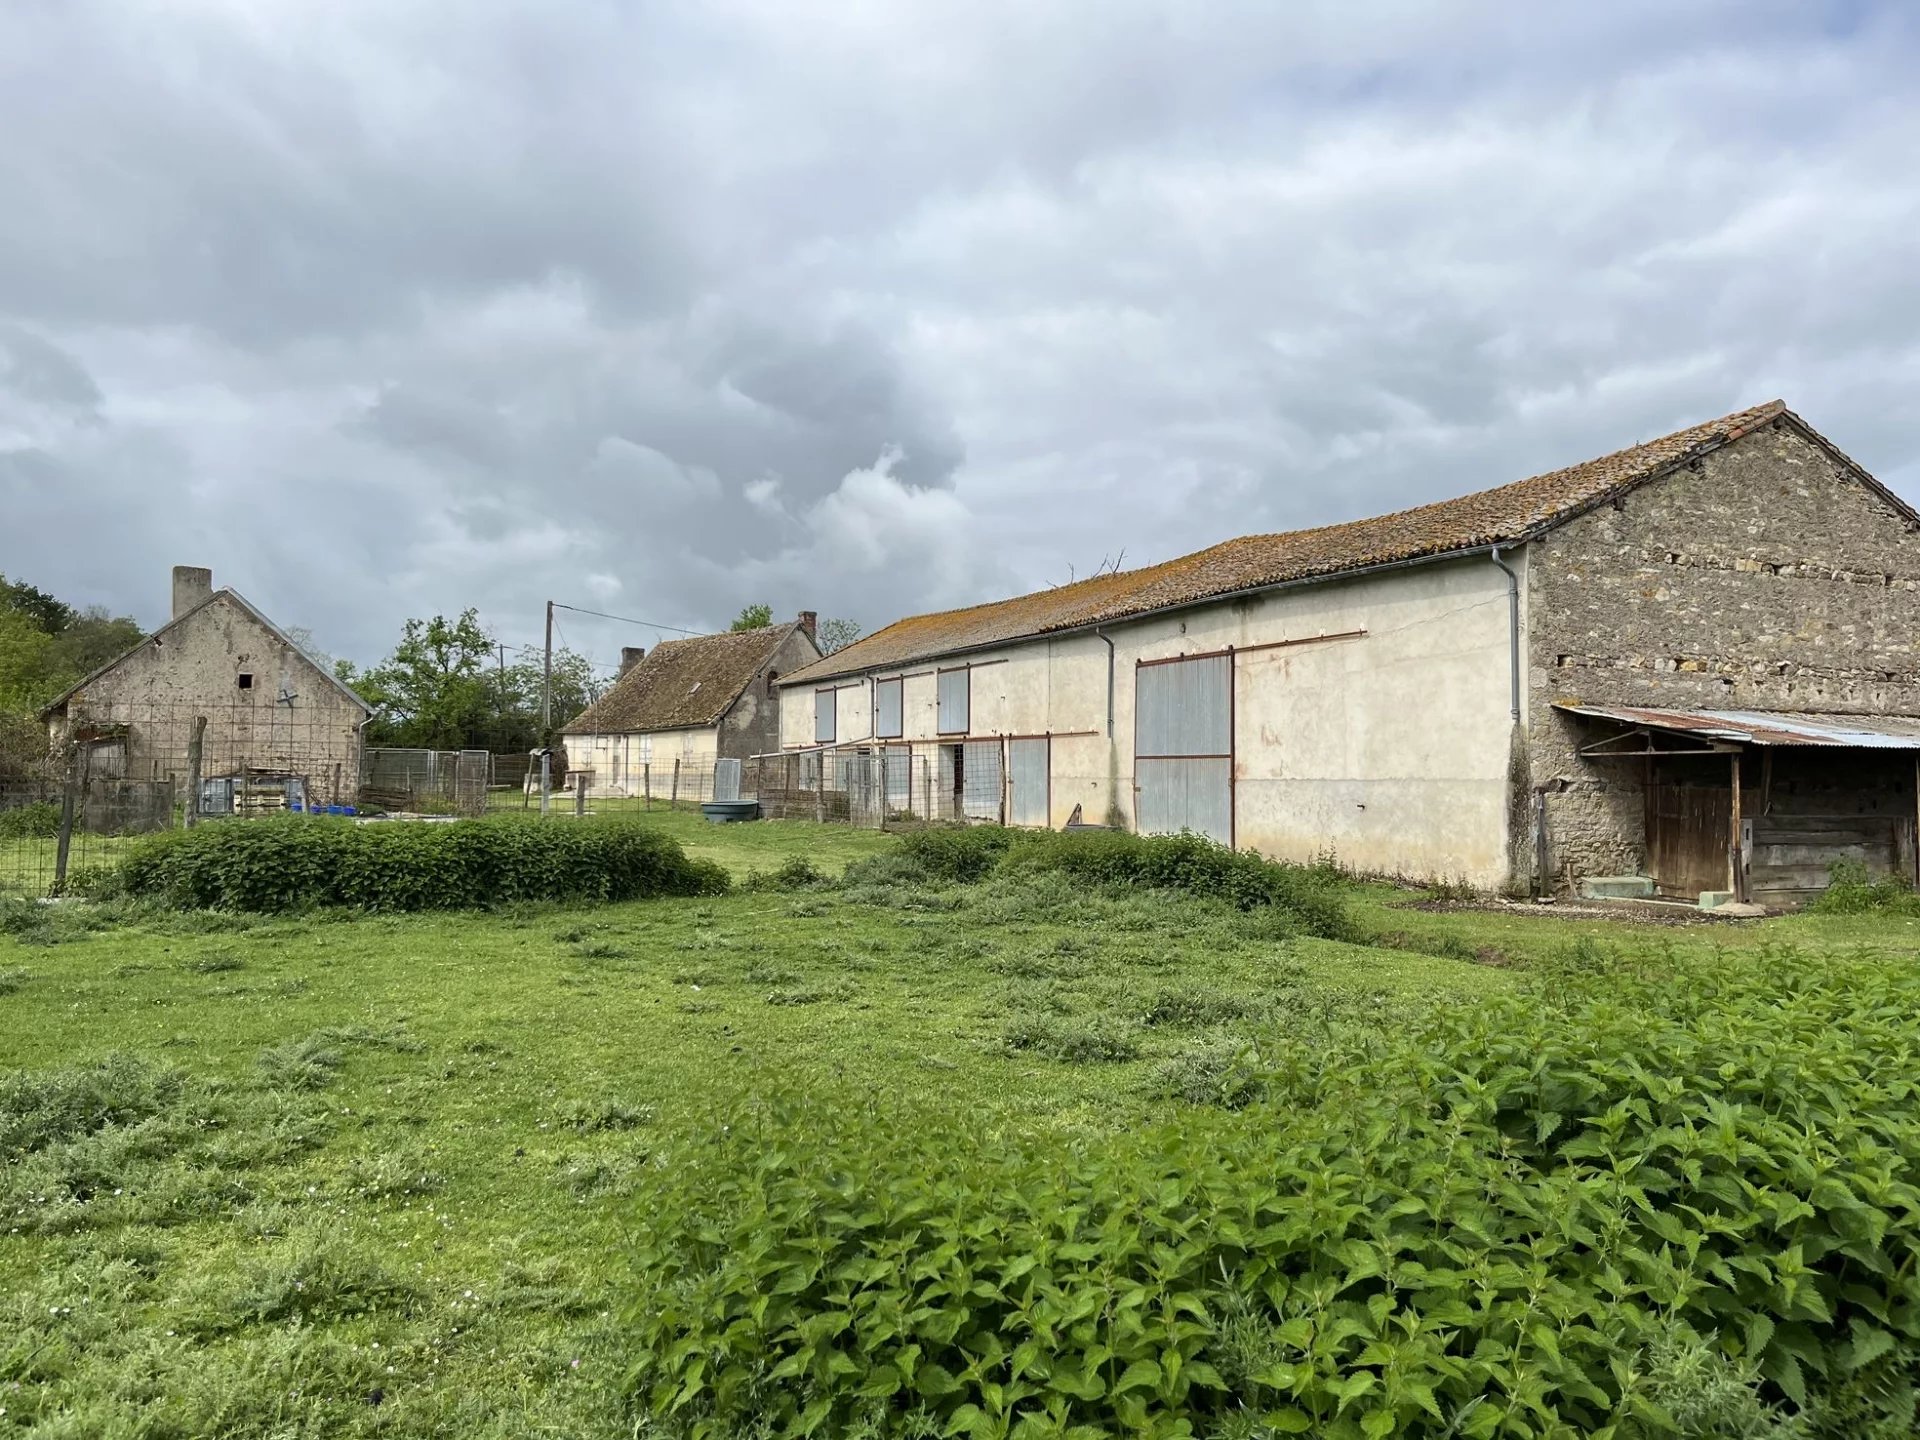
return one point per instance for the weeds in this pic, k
(308, 1063)
(1095, 1040)
(1851, 891)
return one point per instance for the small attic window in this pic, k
(772, 675)
(246, 680)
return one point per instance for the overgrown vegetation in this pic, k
(1851, 891)
(300, 863)
(1501, 1222)
(380, 1174)
(1313, 897)
(39, 821)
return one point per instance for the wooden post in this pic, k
(646, 781)
(71, 796)
(195, 746)
(673, 794)
(1542, 878)
(1736, 872)
(820, 789)
(580, 796)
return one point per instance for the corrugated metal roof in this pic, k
(1768, 727)
(1509, 514)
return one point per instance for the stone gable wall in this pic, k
(1766, 576)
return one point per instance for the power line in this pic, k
(628, 620)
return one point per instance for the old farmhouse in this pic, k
(274, 728)
(1692, 661)
(684, 706)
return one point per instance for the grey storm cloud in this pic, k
(661, 310)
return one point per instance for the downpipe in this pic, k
(1513, 629)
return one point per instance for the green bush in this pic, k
(39, 821)
(1311, 896)
(297, 862)
(1514, 1218)
(1851, 891)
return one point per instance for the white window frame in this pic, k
(832, 695)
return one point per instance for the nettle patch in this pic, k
(1674, 1203)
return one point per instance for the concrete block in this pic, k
(1617, 887)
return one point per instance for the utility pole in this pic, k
(546, 719)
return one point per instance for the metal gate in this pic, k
(1027, 776)
(1183, 746)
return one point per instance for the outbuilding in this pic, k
(677, 710)
(1690, 663)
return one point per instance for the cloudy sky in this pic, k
(874, 306)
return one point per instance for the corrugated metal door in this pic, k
(1027, 781)
(1183, 746)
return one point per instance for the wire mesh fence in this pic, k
(115, 771)
(871, 785)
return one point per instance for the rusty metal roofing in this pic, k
(1767, 727)
(1509, 514)
(683, 684)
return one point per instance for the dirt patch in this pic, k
(1629, 912)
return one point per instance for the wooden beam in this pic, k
(1736, 872)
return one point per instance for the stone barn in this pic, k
(275, 728)
(1687, 668)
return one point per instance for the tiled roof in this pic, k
(683, 684)
(1510, 513)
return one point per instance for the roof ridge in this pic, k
(1510, 513)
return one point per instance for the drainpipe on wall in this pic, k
(1114, 813)
(1518, 767)
(1513, 629)
(1109, 644)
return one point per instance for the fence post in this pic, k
(646, 781)
(820, 790)
(580, 799)
(673, 795)
(70, 797)
(195, 744)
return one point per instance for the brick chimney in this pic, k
(809, 622)
(192, 585)
(630, 656)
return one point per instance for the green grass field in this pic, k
(374, 1175)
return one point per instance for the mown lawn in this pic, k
(375, 1175)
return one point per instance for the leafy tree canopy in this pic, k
(754, 617)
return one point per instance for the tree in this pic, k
(46, 645)
(433, 690)
(754, 617)
(48, 614)
(91, 638)
(28, 678)
(837, 635)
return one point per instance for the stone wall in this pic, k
(265, 704)
(1765, 576)
(752, 726)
